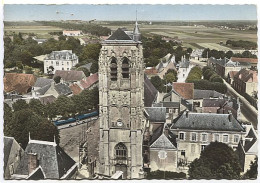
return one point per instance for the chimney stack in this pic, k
(187, 113)
(229, 115)
(33, 162)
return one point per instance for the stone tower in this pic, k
(121, 94)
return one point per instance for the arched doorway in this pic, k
(123, 168)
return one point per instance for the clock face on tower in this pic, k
(119, 123)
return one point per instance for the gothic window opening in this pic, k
(125, 68)
(120, 151)
(113, 69)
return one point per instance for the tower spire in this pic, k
(136, 32)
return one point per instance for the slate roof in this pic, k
(185, 90)
(251, 146)
(157, 133)
(89, 81)
(43, 90)
(62, 89)
(41, 82)
(207, 121)
(8, 142)
(61, 55)
(150, 92)
(53, 160)
(87, 66)
(71, 75)
(171, 104)
(119, 34)
(201, 94)
(18, 82)
(156, 114)
(37, 174)
(213, 102)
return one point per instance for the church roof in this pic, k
(119, 34)
(150, 92)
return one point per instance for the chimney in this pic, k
(229, 116)
(187, 113)
(33, 162)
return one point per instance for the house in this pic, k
(150, 72)
(230, 77)
(89, 82)
(59, 60)
(248, 149)
(41, 82)
(164, 66)
(70, 76)
(12, 156)
(246, 81)
(39, 41)
(252, 61)
(184, 68)
(194, 131)
(224, 66)
(72, 33)
(196, 54)
(185, 90)
(45, 160)
(18, 82)
(199, 95)
(172, 109)
(156, 116)
(58, 89)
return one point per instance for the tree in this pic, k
(170, 77)
(189, 50)
(217, 161)
(94, 67)
(252, 172)
(85, 70)
(165, 175)
(57, 79)
(28, 70)
(91, 51)
(157, 83)
(19, 105)
(64, 106)
(7, 118)
(36, 106)
(229, 54)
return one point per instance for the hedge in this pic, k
(207, 85)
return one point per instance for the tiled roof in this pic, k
(18, 82)
(62, 89)
(156, 114)
(207, 121)
(247, 75)
(213, 102)
(185, 90)
(201, 94)
(41, 82)
(75, 89)
(150, 92)
(151, 71)
(53, 160)
(119, 34)
(249, 60)
(70, 75)
(89, 81)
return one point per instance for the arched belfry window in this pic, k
(125, 68)
(113, 69)
(121, 151)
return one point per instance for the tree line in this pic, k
(207, 53)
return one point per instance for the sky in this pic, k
(16, 12)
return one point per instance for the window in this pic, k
(236, 138)
(120, 151)
(68, 69)
(125, 68)
(183, 153)
(62, 68)
(204, 137)
(193, 136)
(62, 63)
(225, 138)
(113, 69)
(57, 63)
(181, 136)
(216, 137)
(203, 147)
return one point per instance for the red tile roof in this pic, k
(89, 81)
(185, 90)
(247, 76)
(248, 60)
(21, 83)
(70, 75)
(151, 71)
(75, 89)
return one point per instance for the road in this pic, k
(249, 112)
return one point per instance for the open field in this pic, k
(203, 37)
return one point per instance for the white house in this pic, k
(59, 60)
(72, 33)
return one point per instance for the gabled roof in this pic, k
(251, 146)
(248, 60)
(119, 34)
(150, 92)
(8, 142)
(47, 99)
(247, 75)
(156, 114)
(18, 82)
(201, 94)
(75, 89)
(53, 160)
(37, 174)
(62, 89)
(89, 81)
(43, 90)
(41, 82)
(151, 71)
(231, 74)
(162, 142)
(213, 102)
(69, 76)
(185, 90)
(207, 121)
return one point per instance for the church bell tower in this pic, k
(121, 94)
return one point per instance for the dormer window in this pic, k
(113, 69)
(125, 68)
